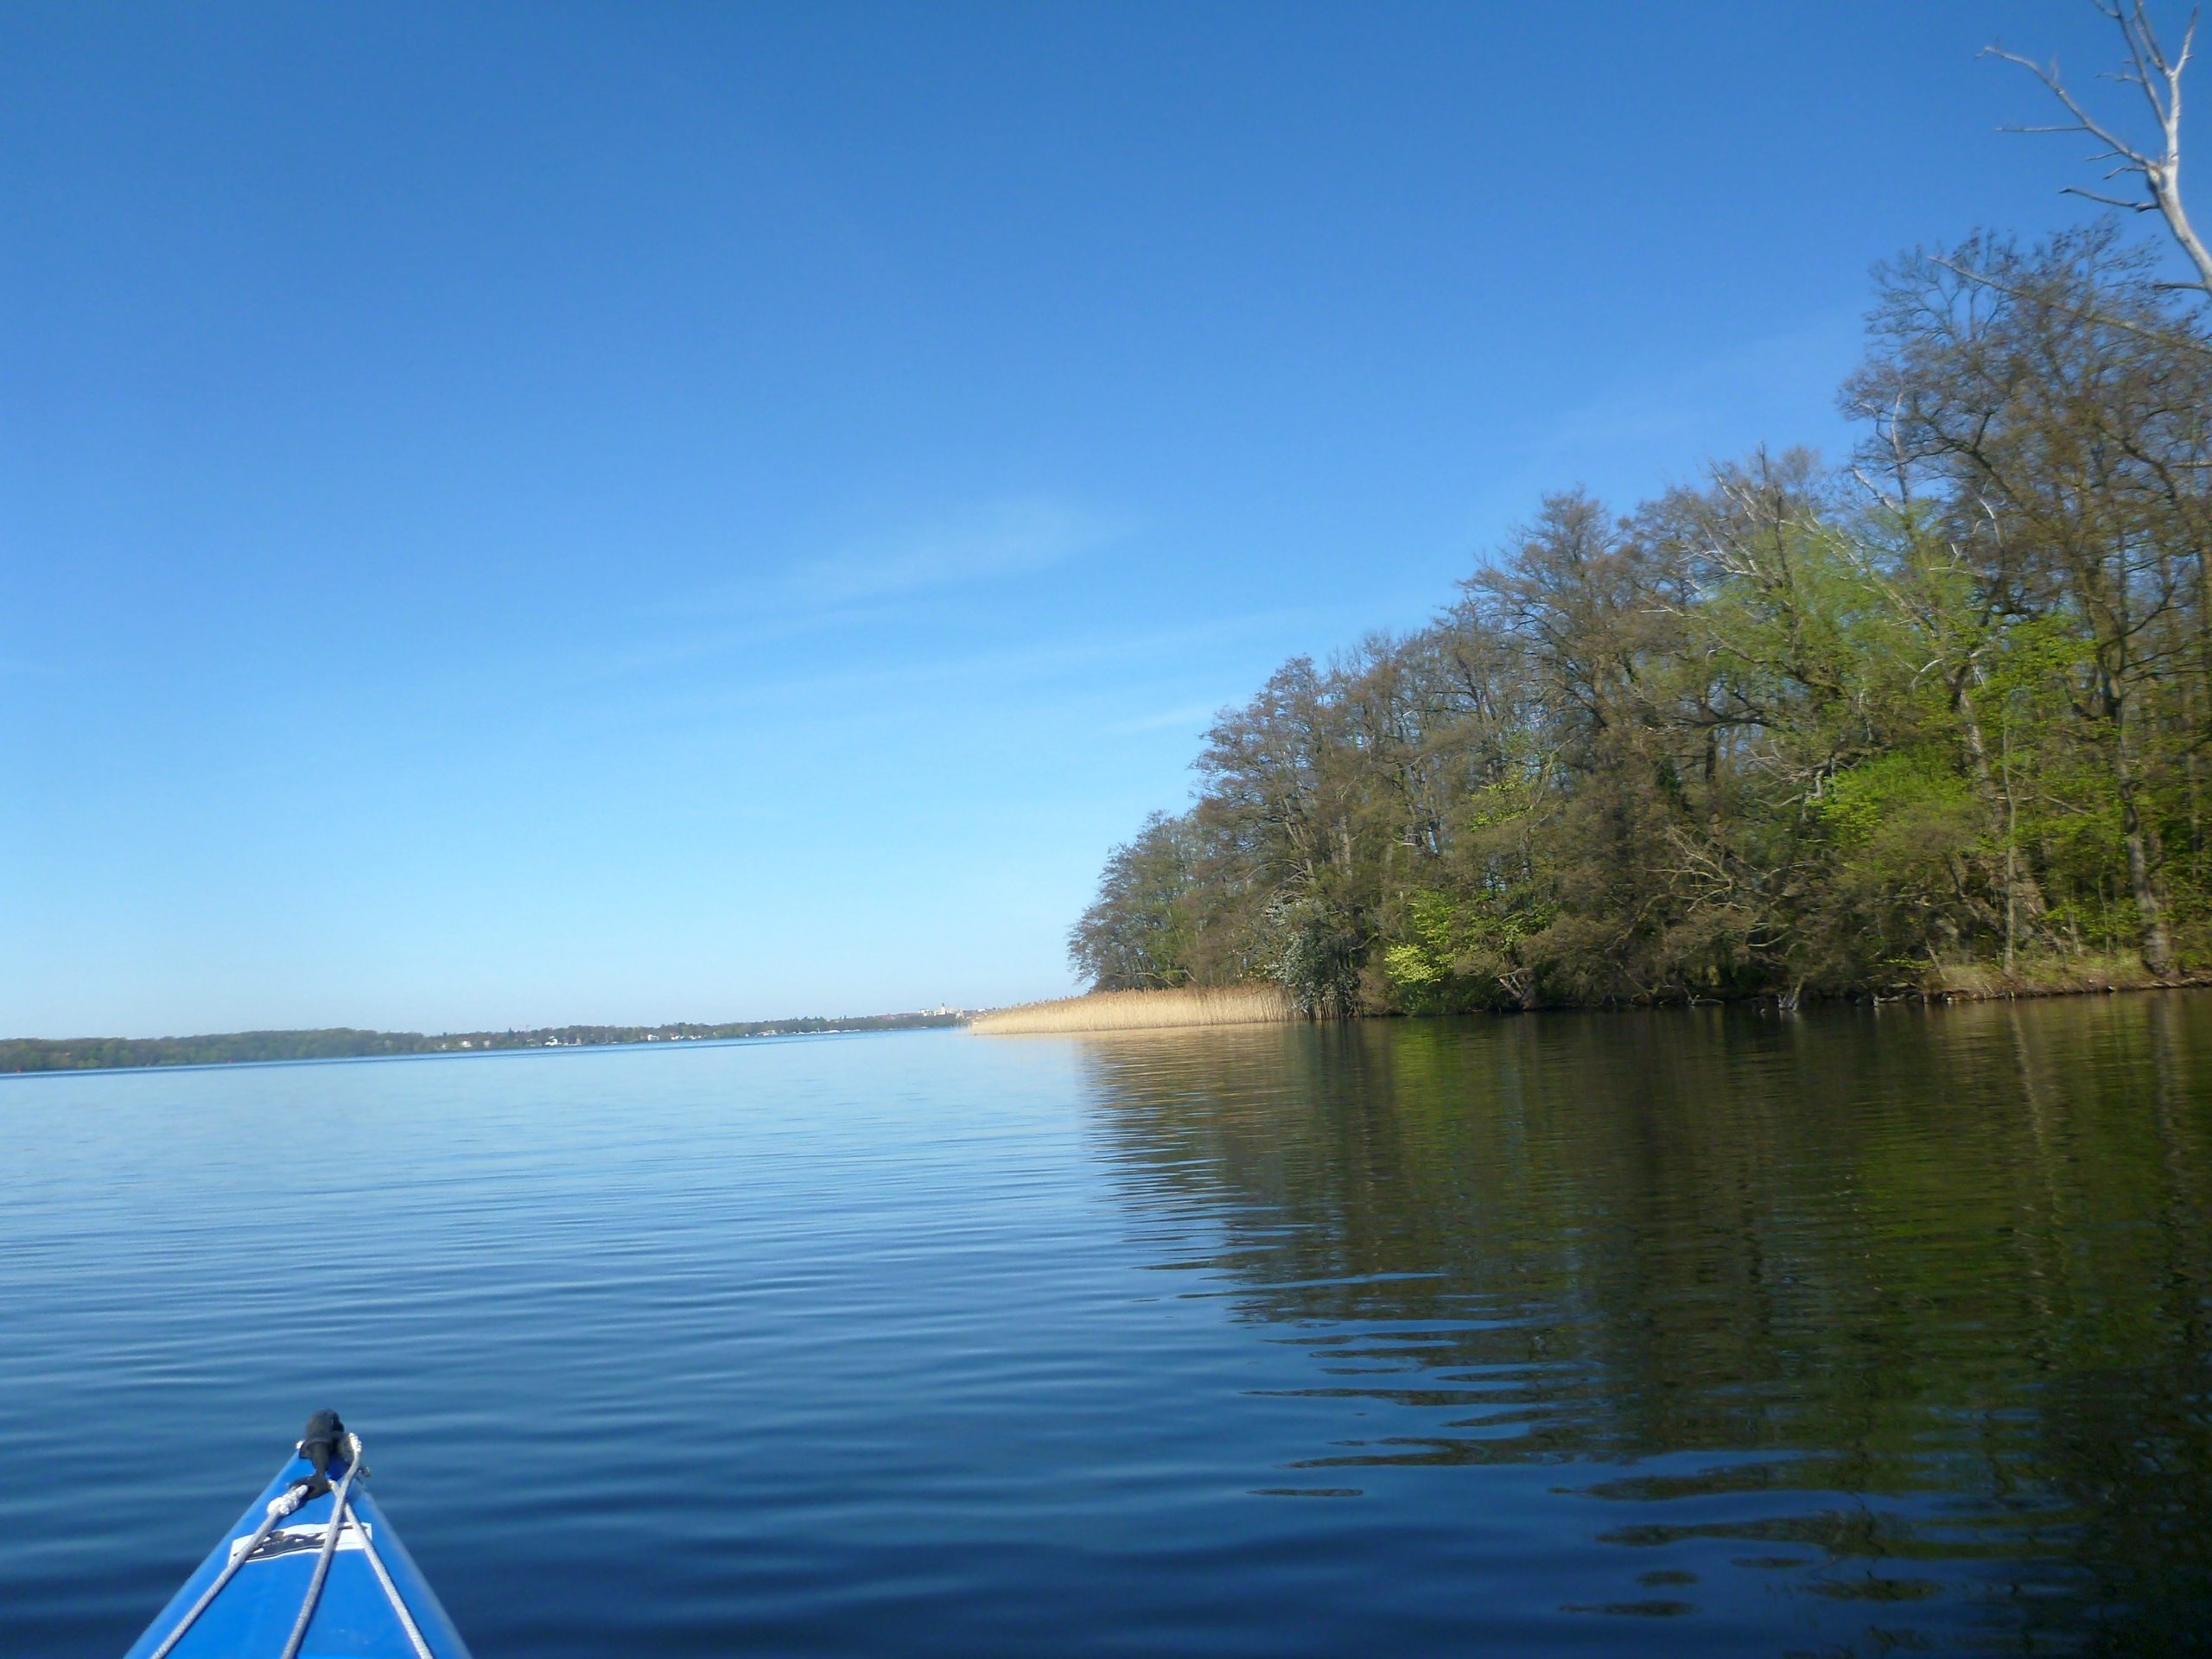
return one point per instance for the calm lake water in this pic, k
(1860, 1332)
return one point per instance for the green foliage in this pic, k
(1143, 933)
(1880, 808)
(1454, 952)
(1942, 713)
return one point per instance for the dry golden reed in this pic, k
(1193, 1005)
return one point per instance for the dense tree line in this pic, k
(1940, 712)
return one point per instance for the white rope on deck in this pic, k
(398, 1604)
(279, 1506)
(287, 1502)
(329, 1548)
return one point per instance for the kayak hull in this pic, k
(252, 1616)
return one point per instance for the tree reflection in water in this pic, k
(1904, 1308)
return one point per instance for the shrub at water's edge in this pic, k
(1211, 1004)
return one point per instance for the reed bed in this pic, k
(1193, 1005)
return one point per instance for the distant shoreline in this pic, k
(1187, 1008)
(29, 1055)
(1184, 1007)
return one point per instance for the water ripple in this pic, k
(1847, 1333)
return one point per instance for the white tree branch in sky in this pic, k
(2158, 77)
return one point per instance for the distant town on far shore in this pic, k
(341, 1043)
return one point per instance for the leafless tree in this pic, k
(2158, 76)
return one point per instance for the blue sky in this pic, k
(522, 514)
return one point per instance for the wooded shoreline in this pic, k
(1938, 719)
(1191, 1009)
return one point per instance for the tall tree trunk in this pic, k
(2023, 899)
(2157, 947)
(2155, 944)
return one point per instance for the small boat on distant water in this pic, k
(311, 1570)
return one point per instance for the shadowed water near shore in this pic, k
(1686, 1331)
(1891, 1308)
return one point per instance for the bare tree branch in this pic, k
(2115, 202)
(2158, 75)
(1997, 285)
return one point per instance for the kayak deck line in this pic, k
(331, 1534)
(311, 1569)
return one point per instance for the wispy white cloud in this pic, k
(1718, 402)
(1645, 432)
(1000, 539)
(1033, 666)
(1190, 716)
(868, 582)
